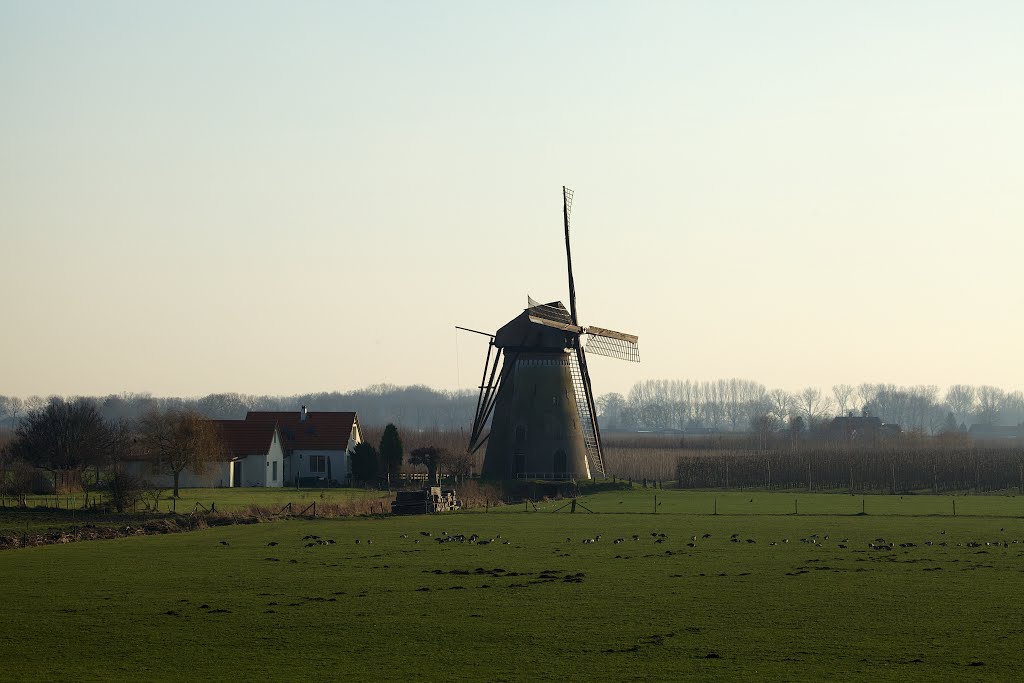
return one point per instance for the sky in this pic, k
(277, 198)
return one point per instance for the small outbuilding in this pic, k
(252, 455)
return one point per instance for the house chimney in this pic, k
(302, 415)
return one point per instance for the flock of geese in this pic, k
(878, 544)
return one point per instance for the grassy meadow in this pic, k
(539, 601)
(43, 513)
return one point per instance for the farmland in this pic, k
(540, 601)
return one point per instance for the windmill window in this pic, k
(520, 434)
(561, 462)
(554, 400)
(518, 461)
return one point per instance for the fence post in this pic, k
(655, 503)
(954, 507)
(796, 506)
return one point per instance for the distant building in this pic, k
(253, 451)
(273, 449)
(316, 444)
(985, 432)
(860, 429)
(253, 455)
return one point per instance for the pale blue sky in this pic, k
(285, 197)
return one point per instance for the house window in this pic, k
(273, 471)
(318, 464)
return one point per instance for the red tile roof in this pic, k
(242, 438)
(323, 431)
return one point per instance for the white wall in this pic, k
(257, 470)
(298, 463)
(274, 455)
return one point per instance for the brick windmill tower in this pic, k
(540, 406)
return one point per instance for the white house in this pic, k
(316, 444)
(254, 452)
(253, 455)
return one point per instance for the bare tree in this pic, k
(10, 408)
(460, 464)
(844, 394)
(865, 395)
(764, 424)
(35, 403)
(63, 437)
(782, 403)
(990, 400)
(795, 423)
(813, 405)
(176, 440)
(960, 398)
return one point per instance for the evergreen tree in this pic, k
(391, 452)
(364, 461)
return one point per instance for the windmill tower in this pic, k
(540, 406)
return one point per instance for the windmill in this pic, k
(540, 405)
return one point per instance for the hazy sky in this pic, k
(287, 197)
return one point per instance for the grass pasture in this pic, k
(44, 513)
(163, 607)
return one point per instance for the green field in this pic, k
(228, 498)
(542, 605)
(44, 513)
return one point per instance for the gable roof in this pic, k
(321, 431)
(243, 438)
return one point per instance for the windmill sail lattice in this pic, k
(615, 347)
(587, 420)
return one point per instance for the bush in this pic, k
(124, 489)
(17, 481)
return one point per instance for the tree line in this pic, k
(81, 450)
(723, 405)
(737, 405)
(417, 406)
(902, 467)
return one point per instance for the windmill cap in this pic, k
(524, 331)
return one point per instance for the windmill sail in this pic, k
(584, 402)
(614, 344)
